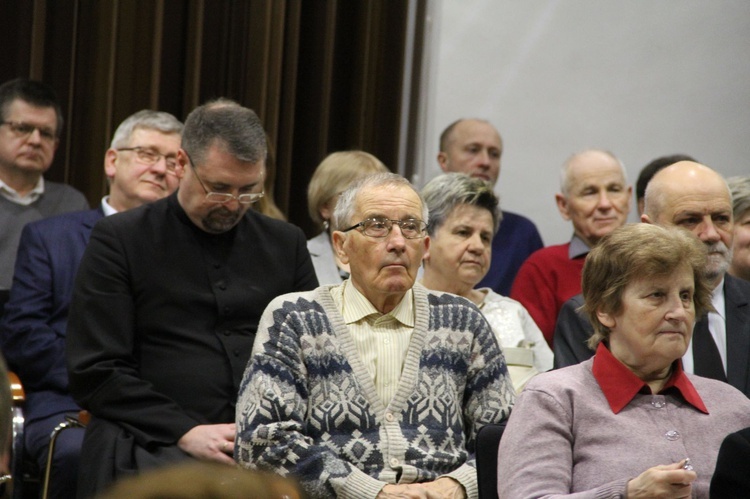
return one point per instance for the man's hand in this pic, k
(667, 481)
(213, 442)
(442, 488)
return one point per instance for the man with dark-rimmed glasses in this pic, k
(167, 302)
(30, 126)
(373, 388)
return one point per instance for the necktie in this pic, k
(706, 356)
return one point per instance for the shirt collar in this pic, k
(356, 307)
(620, 385)
(12, 195)
(717, 299)
(107, 208)
(577, 248)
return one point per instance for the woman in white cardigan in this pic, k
(464, 217)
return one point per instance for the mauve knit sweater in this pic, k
(563, 440)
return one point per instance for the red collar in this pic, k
(620, 385)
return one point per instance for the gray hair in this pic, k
(344, 212)
(740, 187)
(565, 169)
(148, 120)
(445, 192)
(236, 128)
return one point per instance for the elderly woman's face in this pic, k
(462, 247)
(656, 322)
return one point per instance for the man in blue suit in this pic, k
(139, 166)
(474, 147)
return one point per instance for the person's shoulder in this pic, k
(300, 301)
(66, 220)
(737, 286)
(553, 252)
(65, 191)
(518, 221)
(442, 298)
(567, 379)
(720, 396)
(271, 226)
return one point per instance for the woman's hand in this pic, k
(669, 481)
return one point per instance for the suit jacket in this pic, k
(516, 239)
(731, 479)
(32, 331)
(164, 315)
(573, 329)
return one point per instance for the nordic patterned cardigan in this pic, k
(308, 407)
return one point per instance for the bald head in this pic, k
(693, 196)
(473, 147)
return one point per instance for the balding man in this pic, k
(693, 196)
(595, 198)
(474, 147)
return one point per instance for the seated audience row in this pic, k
(372, 385)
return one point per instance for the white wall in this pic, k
(641, 78)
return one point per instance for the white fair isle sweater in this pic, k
(308, 407)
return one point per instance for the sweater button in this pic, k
(389, 417)
(393, 462)
(672, 435)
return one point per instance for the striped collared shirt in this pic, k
(381, 339)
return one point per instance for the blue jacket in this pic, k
(32, 330)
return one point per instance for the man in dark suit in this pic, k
(692, 196)
(167, 301)
(140, 168)
(731, 479)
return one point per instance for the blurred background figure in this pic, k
(464, 216)
(203, 480)
(332, 176)
(740, 266)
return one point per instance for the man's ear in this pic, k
(182, 164)
(338, 239)
(110, 160)
(443, 161)
(646, 219)
(562, 205)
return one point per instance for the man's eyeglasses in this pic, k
(150, 157)
(225, 197)
(381, 227)
(23, 130)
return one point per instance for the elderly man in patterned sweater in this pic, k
(374, 388)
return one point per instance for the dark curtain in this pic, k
(323, 75)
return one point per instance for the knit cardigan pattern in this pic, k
(308, 407)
